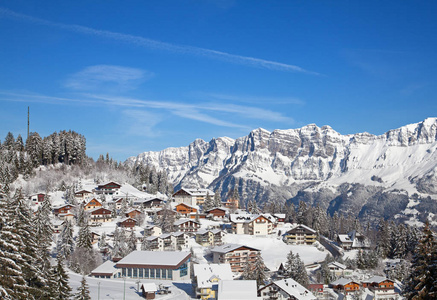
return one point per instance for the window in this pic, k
(140, 272)
(170, 274)
(164, 274)
(129, 272)
(146, 273)
(183, 270)
(152, 273)
(123, 272)
(158, 273)
(135, 272)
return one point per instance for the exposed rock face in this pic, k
(277, 165)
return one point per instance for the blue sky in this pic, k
(135, 76)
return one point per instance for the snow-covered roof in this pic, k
(279, 216)
(198, 192)
(157, 258)
(237, 290)
(205, 272)
(229, 248)
(376, 279)
(341, 281)
(344, 238)
(125, 219)
(149, 287)
(182, 221)
(294, 289)
(247, 218)
(305, 227)
(108, 267)
(338, 265)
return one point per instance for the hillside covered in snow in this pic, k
(390, 175)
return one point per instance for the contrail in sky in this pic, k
(154, 44)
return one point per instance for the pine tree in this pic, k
(256, 271)
(217, 200)
(83, 292)
(65, 244)
(209, 202)
(63, 290)
(295, 269)
(102, 241)
(131, 242)
(422, 282)
(12, 282)
(84, 239)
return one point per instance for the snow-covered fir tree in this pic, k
(217, 201)
(83, 291)
(295, 268)
(422, 282)
(131, 242)
(256, 271)
(209, 202)
(65, 245)
(62, 288)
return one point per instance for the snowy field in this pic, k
(116, 289)
(274, 251)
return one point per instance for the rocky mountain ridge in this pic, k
(290, 165)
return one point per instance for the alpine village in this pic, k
(75, 228)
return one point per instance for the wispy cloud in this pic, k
(141, 123)
(107, 77)
(211, 113)
(154, 44)
(249, 98)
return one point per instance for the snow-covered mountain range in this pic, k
(357, 173)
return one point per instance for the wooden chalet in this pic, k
(127, 223)
(100, 215)
(345, 286)
(82, 194)
(196, 215)
(217, 212)
(108, 188)
(95, 237)
(163, 211)
(185, 209)
(152, 230)
(64, 209)
(92, 204)
(133, 213)
(57, 226)
(383, 287)
(317, 289)
(150, 203)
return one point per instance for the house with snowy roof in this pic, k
(92, 204)
(63, 209)
(108, 188)
(217, 212)
(209, 237)
(105, 270)
(100, 215)
(237, 290)
(353, 240)
(148, 290)
(382, 287)
(251, 224)
(186, 225)
(345, 286)
(127, 223)
(338, 269)
(168, 241)
(150, 230)
(82, 194)
(57, 225)
(234, 254)
(285, 289)
(133, 213)
(207, 277)
(185, 209)
(192, 196)
(300, 235)
(149, 203)
(157, 265)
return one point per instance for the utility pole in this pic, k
(28, 121)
